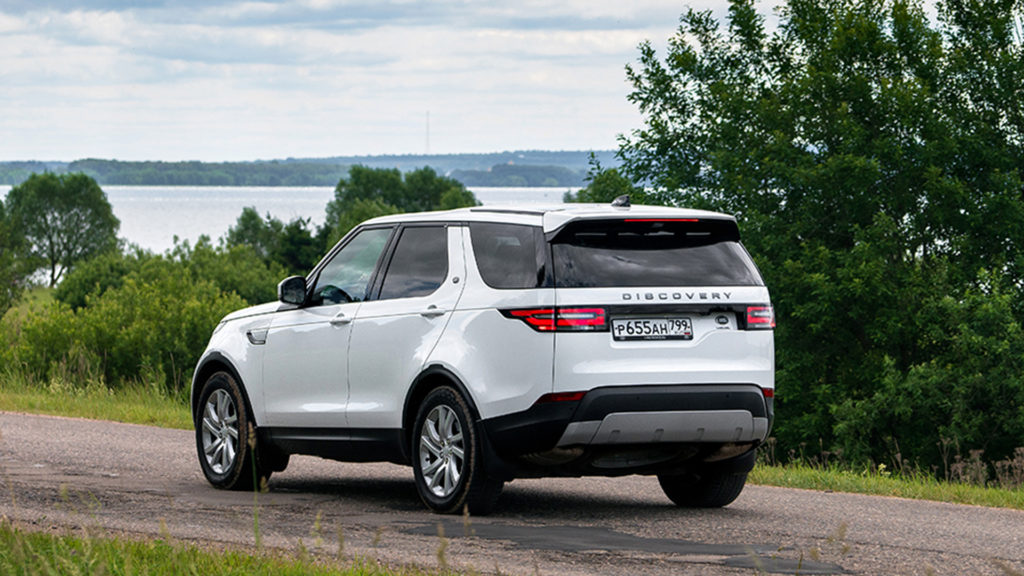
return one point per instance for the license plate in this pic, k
(652, 329)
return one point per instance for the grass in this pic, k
(883, 483)
(136, 404)
(25, 553)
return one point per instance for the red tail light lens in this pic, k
(561, 319)
(540, 319)
(760, 318)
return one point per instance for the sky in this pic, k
(227, 80)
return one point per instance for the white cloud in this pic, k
(219, 80)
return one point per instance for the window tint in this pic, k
(420, 263)
(509, 255)
(652, 253)
(347, 276)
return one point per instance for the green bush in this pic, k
(968, 395)
(151, 329)
(135, 318)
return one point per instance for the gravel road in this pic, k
(145, 481)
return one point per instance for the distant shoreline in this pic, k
(532, 168)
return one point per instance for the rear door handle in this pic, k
(432, 311)
(340, 319)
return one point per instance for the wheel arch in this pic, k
(211, 364)
(431, 378)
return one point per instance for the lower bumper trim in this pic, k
(667, 427)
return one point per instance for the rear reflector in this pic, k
(561, 397)
(760, 318)
(561, 319)
(768, 392)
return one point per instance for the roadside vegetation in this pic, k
(28, 553)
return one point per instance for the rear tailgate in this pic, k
(658, 300)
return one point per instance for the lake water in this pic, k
(151, 216)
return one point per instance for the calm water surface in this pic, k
(151, 216)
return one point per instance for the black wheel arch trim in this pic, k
(419, 390)
(204, 370)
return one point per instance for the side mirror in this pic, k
(292, 290)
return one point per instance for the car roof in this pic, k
(550, 216)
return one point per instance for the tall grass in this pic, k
(136, 402)
(25, 553)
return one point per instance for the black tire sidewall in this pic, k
(239, 476)
(471, 462)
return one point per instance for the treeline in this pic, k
(509, 175)
(114, 172)
(522, 168)
(122, 315)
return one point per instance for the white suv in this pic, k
(485, 344)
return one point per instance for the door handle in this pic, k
(340, 319)
(432, 311)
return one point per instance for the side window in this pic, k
(346, 277)
(509, 256)
(420, 263)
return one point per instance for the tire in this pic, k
(448, 458)
(706, 489)
(225, 436)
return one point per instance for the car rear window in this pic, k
(509, 256)
(651, 252)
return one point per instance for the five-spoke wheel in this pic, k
(448, 457)
(224, 436)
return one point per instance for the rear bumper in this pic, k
(713, 414)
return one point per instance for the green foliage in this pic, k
(876, 163)
(273, 173)
(26, 553)
(971, 388)
(136, 317)
(92, 278)
(603, 186)
(357, 211)
(511, 174)
(233, 269)
(150, 328)
(371, 192)
(538, 166)
(64, 219)
(11, 259)
(291, 246)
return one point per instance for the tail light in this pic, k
(760, 318)
(561, 319)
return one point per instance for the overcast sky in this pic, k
(222, 80)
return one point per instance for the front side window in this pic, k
(346, 277)
(419, 265)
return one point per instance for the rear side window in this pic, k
(420, 263)
(651, 252)
(509, 256)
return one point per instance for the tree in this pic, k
(252, 230)
(371, 192)
(291, 245)
(604, 186)
(876, 163)
(64, 218)
(11, 273)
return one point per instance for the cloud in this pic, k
(226, 79)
